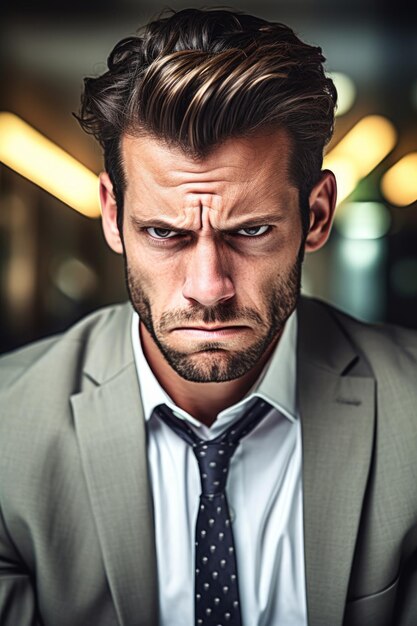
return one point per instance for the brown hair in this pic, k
(195, 78)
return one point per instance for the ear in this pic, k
(109, 214)
(322, 202)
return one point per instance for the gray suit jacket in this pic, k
(76, 532)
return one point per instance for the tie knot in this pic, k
(214, 455)
(213, 461)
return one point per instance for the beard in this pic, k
(212, 363)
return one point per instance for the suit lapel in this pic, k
(111, 432)
(337, 414)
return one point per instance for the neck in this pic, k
(204, 401)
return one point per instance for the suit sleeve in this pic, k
(17, 594)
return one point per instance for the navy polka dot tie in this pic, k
(216, 582)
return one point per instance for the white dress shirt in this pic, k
(264, 492)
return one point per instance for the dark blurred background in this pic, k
(54, 264)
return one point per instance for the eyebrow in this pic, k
(250, 222)
(154, 222)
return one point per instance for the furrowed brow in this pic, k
(249, 222)
(151, 223)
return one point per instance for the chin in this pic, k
(209, 375)
(214, 366)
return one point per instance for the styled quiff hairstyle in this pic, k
(196, 78)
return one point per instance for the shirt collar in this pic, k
(276, 384)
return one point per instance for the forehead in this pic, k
(237, 176)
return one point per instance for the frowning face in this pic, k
(212, 248)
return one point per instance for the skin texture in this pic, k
(213, 251)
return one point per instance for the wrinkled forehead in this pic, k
(239, 176)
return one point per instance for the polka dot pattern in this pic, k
(213, 465)
(216, 585)
(217, 600)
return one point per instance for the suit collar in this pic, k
(322, 340)
(111, 346)
(337, 416)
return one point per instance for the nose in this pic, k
(207, 279)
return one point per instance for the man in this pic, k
(213, 125)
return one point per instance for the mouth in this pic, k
(210, 332)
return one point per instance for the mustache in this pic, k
(208, 315)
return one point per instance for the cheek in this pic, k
(256, 281)
(160, 280)
(253, 274)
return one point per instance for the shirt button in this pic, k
(232, 514)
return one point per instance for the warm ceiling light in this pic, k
(346, 173)
(360, 151)
(32, 155)
(346, 92)
(399, 183)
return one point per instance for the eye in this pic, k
(253, 231)
(161, 233)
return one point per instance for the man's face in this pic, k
(213, 251)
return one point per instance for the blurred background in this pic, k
(54, 264)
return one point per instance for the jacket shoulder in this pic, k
(57, 351)
(387, 336)
(384, 346)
